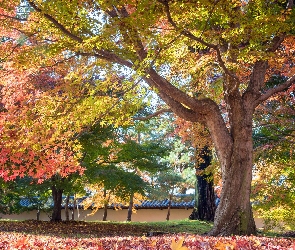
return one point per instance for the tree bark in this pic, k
(57, 200)
(232, 140)
(234, 213)
(204, 191)
(38, 215)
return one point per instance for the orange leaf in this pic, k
(178, 245)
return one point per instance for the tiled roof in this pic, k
(165, 203)
(26, 202)
(147, 204)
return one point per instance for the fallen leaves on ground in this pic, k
(47, 235)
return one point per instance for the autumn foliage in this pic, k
(209, 61)
(31, 144)
(100, 236)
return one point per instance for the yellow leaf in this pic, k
(178, 245)
(224, 246)
(154, 243)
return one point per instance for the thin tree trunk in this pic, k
(67, 208)
(105, 207)
(38, 214)
(204, 190)
(57, 200)
(129, 213)
(169, 207)
(74, 207)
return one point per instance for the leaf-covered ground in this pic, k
(82, 235)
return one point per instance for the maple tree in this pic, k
(209, 61)
(40, 113)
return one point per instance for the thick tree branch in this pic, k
(271, 92)
(180, 110)
(259, 71)
(276, 42)
(161, 84)
(257, 78)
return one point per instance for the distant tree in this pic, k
(274, 176)
(165, 185)
(24, 194)
(10, 197)
(115, 164)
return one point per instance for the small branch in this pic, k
(11, 52)
(107, 55)
(157, 54)
(56, 23)
(197, 39)
(222, 65)
(167, 11)
(161, 111)
(13, 17)
(59, 62)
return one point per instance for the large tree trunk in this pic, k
(234, 213)
(233, 143)
(57, 200)
(204, 190)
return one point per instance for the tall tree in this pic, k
(186, 52)
(199, 139)
(205, 197)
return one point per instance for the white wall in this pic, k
(141, 215)
(113, 215)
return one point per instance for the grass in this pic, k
(103, 229)
(177, 226)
